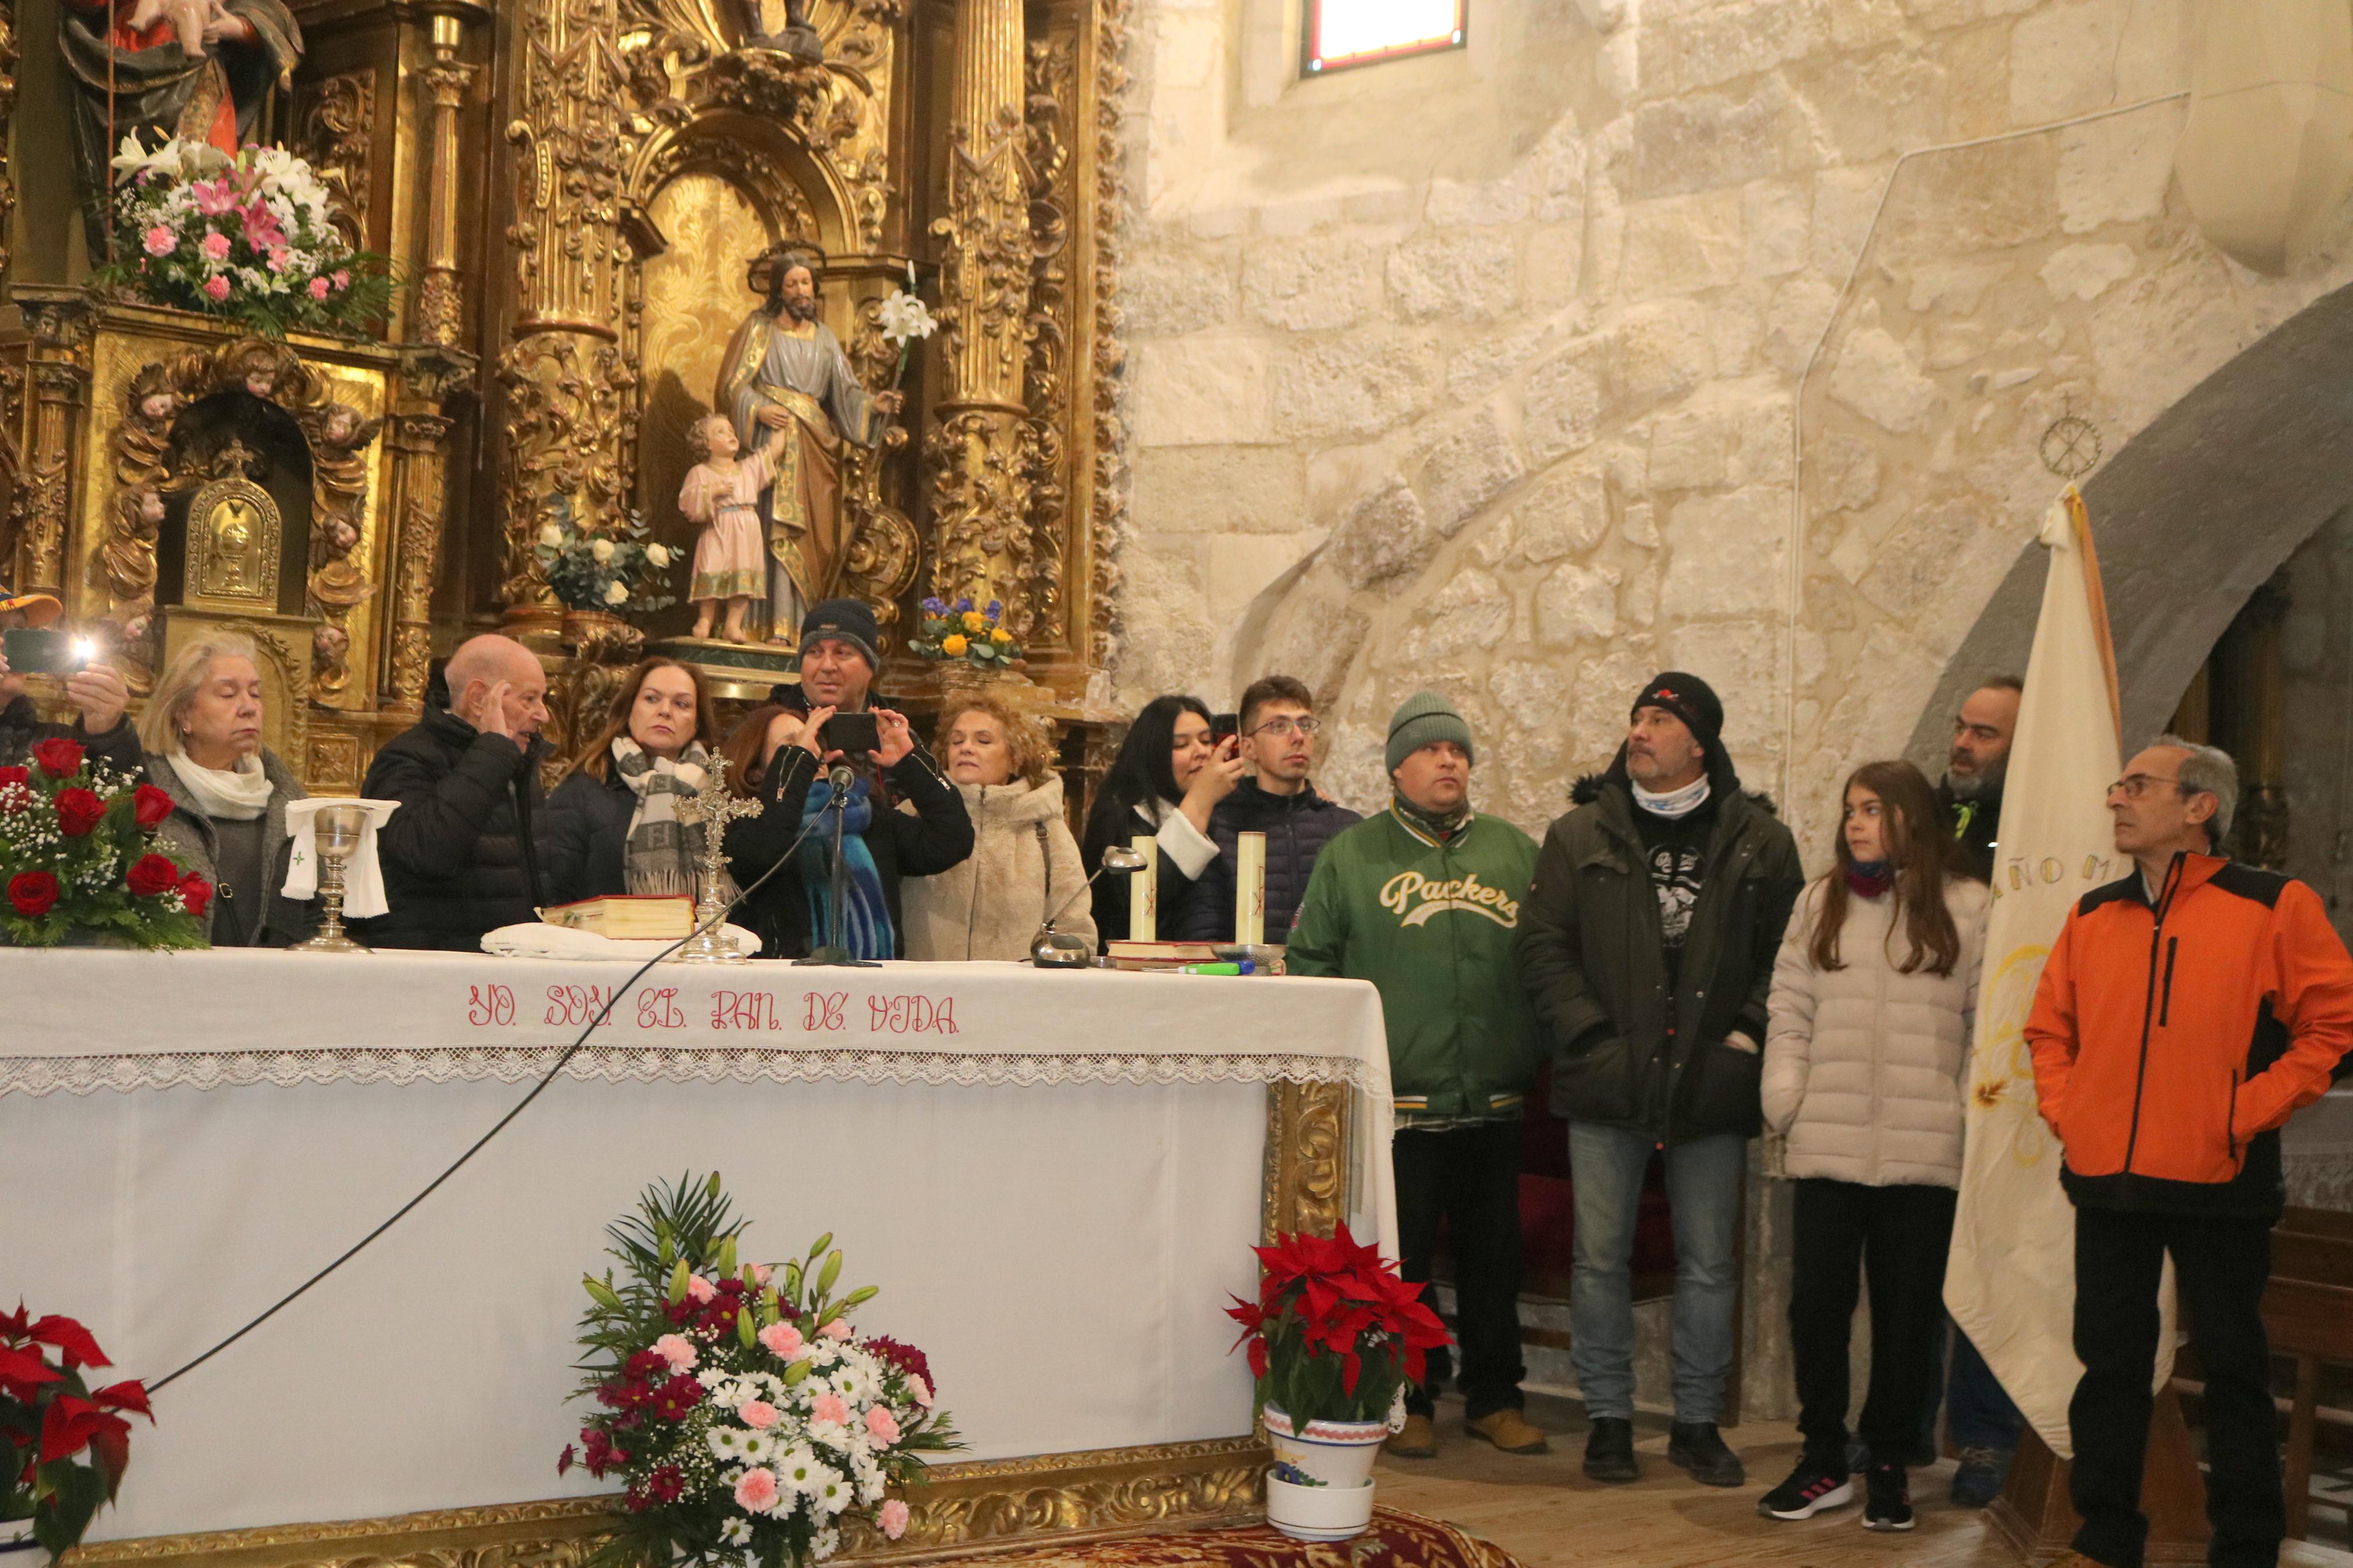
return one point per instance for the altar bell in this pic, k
(1424, 901)
(463, 855)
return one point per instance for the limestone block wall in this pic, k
(1711, 333)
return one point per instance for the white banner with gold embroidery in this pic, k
(2010, 1280)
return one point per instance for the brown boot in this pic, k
(1416, 1439)
(1510, 1431)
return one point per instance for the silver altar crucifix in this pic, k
(713, 806)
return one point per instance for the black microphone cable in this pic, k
(838, 804)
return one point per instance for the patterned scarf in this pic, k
(658, 858)
(1675, 804)
(866, 924)
(1431, 825)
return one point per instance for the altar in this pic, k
(1054, 1179)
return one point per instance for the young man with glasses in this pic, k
(2187, 1011)
(1278, 727)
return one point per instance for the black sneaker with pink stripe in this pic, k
(1817, 1483)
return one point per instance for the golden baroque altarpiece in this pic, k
(578, 193)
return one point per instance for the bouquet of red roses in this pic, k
(746, 1417)
(1334, 1335)
(51, 1418)
(78, 852)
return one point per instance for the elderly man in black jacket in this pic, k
(98, 692)
(1647, 947)
(463, 855)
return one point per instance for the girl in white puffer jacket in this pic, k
(1865, 1069)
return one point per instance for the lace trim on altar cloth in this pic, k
(641, 1064)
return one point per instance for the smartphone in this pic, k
(43, 650)
(853, 734)
(1223, 726)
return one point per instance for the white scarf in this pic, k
(230, 795)
(1676, 802)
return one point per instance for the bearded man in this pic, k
(783, 370)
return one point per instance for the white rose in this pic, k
(615, 592)
(602, 550)
(657, 554)
(551, 536)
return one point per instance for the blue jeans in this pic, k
(1977, 1408)
(1703, 1187)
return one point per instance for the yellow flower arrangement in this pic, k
(953, 646)
(1000, 636)
(974, 621)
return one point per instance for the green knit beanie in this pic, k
(1421, 718)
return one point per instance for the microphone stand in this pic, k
(835, 953)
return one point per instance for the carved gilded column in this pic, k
(567, 382)
(440, 293)
(980, 492)
(418, 435)
(58, 328)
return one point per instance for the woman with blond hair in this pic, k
(1873, 995)
(1024, 867)
(202, 729)
(613, 818)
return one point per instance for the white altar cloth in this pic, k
(1054, 1178)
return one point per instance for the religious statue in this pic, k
(797, 40)
(197, 69)
(722, 496)
(784, 372)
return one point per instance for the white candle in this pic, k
(1250, 889)
(1144, 891)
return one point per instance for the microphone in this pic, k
(841, 779)
(1049, 948)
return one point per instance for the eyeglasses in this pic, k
(2133, 786)
(1283, 729)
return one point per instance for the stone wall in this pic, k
(1711, 333)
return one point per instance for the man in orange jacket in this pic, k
(2185, 1013)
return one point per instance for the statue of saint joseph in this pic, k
(783, 370)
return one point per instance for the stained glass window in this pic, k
(1359, 32)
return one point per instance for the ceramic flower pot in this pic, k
(1339, 1453)
(1318, 1514)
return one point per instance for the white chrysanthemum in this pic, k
(736, 1533)
(798, 1469)
(824, 1544)
(830, 1493)
(726, 1443)
(823, 1352)
(856, 1384)
(758, 1447)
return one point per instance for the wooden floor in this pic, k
(1543, 1511)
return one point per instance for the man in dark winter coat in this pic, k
(462, 855)
(1984, 1422)
(98, 692)
(1647, 949)
(1278, 731)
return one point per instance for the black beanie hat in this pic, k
(851, 620)
(1691, 700)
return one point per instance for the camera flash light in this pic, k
(84, 650)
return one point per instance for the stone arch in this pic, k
(2190, 516)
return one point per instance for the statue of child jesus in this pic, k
(722, 494)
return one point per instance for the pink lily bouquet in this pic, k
(250, 238)
(746, 1417)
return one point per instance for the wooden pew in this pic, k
(2308, 1316)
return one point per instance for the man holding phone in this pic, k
(97, 690)
(881, 843)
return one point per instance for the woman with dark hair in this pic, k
(1168, 776)
(1875, 995)
(614, 818)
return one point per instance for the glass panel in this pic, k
(1354, 32)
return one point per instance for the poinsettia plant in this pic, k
(745, 1415)
(78, 852)
(1335, 1334)
(67, 1443)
